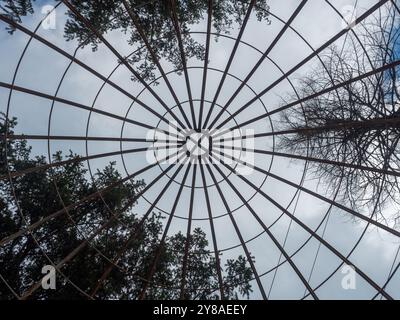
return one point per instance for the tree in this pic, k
(359, 123)
(34, 196)
(154, 17)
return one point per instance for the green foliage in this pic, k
(15, 9)
(155, 18)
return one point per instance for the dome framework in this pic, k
(215, 175)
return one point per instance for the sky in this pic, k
(42, 69)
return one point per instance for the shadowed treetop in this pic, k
(156, 20)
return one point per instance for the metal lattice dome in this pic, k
(205, 136)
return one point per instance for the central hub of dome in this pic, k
(198, 143)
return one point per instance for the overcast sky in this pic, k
(41, 69)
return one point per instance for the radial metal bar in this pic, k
(231, 57)
(175, 22)
(81, 138)
(260, 61)
(205, 66)
(185, 260)
(164, 236)
(14, 174)
(373, 124)
(213, 234)
(313, 159)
